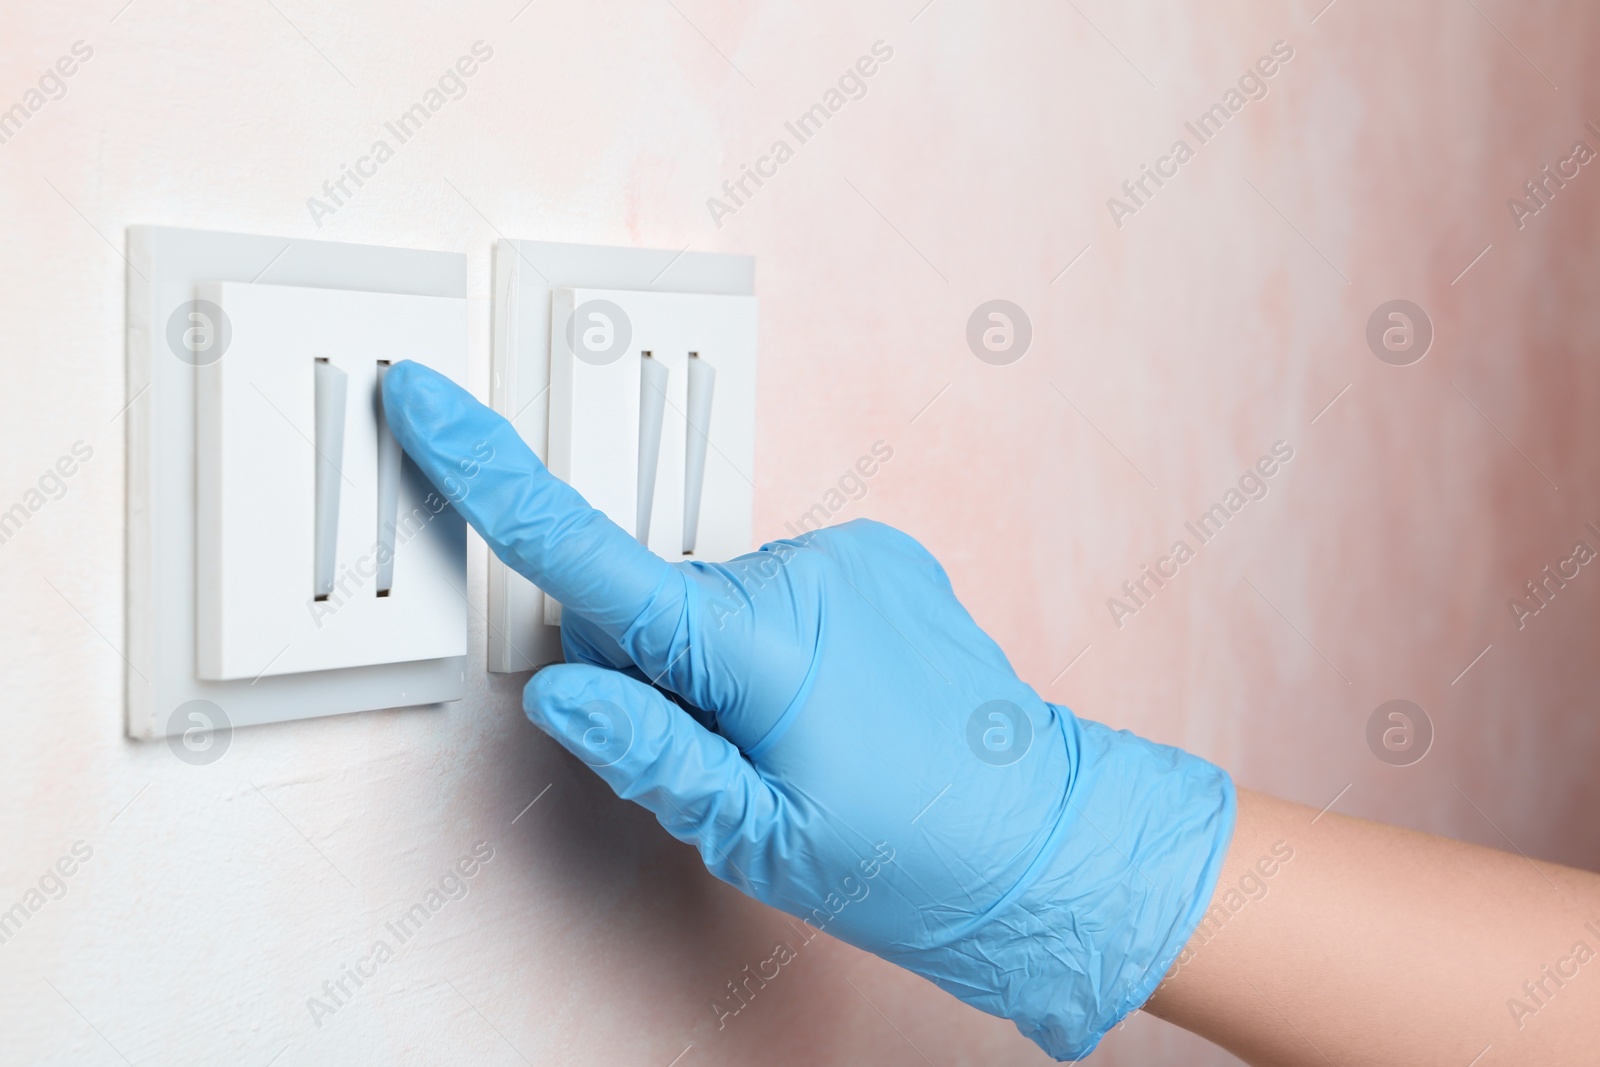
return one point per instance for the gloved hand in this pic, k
(829, 727)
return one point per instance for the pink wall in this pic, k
(1220, 318)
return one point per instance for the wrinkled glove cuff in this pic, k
(1118, 888)
(1149, 829)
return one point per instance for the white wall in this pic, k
(218, 899)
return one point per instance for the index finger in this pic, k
(539, 525)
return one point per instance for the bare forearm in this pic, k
(1336, 940)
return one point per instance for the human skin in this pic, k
(1378, 945)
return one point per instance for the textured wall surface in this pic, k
(1173, 343)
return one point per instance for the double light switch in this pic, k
(285, 560)
(318, 545)
(652, 415)
(632, 373)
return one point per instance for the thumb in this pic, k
(648, 750)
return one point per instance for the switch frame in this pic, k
(525, 274)
(594, 441)
(166, 267)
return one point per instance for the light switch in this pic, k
(301, 506)
(658, 433)
(654, 379)
(663, 443)
(702, 383)
(285, 561)
(331, 389)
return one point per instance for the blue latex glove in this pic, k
(839, 739)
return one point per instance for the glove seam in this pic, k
(775, 733)
(1041, 861)
(1210, 875)
(629, 636)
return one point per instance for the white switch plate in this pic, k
(595, 422)
(167, 268)
(527, 275)
(256, 462)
